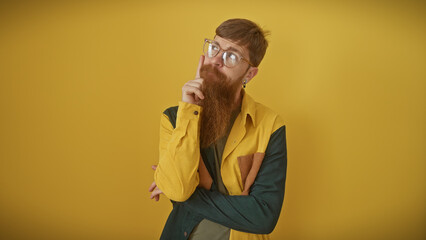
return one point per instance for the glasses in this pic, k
(230, 58)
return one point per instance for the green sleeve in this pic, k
(257, 213)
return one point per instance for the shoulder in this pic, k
(171, 114)
(171, 111)
(267, 116)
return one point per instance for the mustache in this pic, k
(210, 73)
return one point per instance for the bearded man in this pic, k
(223, 156)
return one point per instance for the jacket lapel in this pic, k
(238, 130)
(237, 133)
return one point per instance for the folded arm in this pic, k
(257, 213)
(176, 174)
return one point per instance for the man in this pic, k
(223, 156)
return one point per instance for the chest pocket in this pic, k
(249, 167)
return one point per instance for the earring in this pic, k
(244, 83)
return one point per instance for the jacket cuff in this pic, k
(188, 111)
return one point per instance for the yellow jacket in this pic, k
(253, 170)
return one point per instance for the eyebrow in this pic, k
(234, 49)
(230, 48)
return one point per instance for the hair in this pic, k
(246, 34)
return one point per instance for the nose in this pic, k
(217, 60)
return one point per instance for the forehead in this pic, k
(227, 44)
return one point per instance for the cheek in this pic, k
(229, 74)
(239, 73)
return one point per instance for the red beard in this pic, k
(219, 101)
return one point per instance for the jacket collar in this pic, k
(238, 130)
(248, 108)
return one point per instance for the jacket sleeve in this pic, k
(257, 213)
(176, 174)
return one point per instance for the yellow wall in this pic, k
(83, 85)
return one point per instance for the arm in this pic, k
(257, 213)
(176, 174)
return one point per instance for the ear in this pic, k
(251, 73)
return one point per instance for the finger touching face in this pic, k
(200, 64)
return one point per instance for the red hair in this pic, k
(246, 34)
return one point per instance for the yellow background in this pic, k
(83, 85)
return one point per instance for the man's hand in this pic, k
(191, 91)
(155, 191)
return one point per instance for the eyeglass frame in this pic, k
(210, 41)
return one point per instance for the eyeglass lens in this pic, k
(230, 59)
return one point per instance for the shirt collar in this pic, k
(248, 108)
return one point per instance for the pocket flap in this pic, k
(249, 167)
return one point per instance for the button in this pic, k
(185, 233)
(195, 112)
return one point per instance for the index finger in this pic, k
(200, 64)
(152, 187)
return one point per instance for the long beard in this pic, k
(219, 101)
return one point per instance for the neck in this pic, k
(238, 98)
